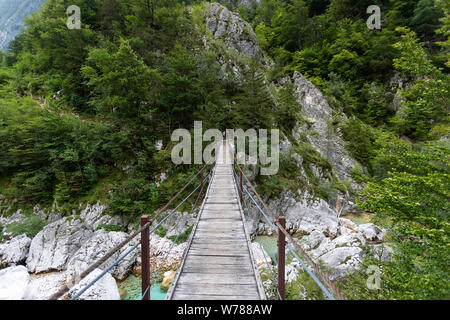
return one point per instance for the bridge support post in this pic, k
(281, 221)
(145, 259)
(240, 184)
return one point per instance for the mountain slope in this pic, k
(12, 14)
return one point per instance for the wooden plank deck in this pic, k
(218, 262)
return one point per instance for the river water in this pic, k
(269, 243)
(130, 288)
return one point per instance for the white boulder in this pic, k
(94, 216)
(342, 260)
(13, 283)
(159, 247)
(52, 247)
(306, 217)
(43, 286)
(15, 250)
(291, 271)
(104, 289)
(371, 232)
(99, 245)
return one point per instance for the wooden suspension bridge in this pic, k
(218, 262)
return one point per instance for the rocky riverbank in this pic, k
(37, 268)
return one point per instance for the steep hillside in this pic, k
(12, 14)
(86, 118)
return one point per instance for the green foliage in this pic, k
(414, 196)
(426, 19)
(360, 140)
(52, 157)
(120, 83)
(161, 231)
(182, 237)
(30, 226)
(427, 100)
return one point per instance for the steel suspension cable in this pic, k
(294, 243)
(269, 266)
(95, 265)
(304, 266)
(176, 238)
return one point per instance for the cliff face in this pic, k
(12, 14)
(325, 235)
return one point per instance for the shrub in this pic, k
(30, 226)
(111, 227)
(182, 237)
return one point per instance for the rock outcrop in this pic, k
(52, 247)
(13, 283)
(372, 232)
(43, 286)
(236, 33)
(99, 245)
(14, 251)
(104, 289)
(316, 110)
(342, 254)
(304, 217)
(164, 253)
(94, 216)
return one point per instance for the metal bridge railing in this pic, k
(278, 225)
(144, 242)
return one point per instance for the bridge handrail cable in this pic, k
(99, 262)
(275, 225)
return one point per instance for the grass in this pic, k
(182, 237)
(360, 217)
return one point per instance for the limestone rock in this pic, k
(43, 286)
(178, 222)
(371, 232)
(53, 246)
(159, 247)
(104, 289)
(347, 226)
(99, 245)
(316, 109)
(167, 280)
(313, 240)
(13, 283)
(305, 217)
(342, 260)
(291, 271)
(94, 215)
(15, 250)
(341, 254)
(236, 33)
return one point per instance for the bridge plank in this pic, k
(218, 263)
(225, 289)
(178, 296)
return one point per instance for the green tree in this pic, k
(121, 83)
(427, 100)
